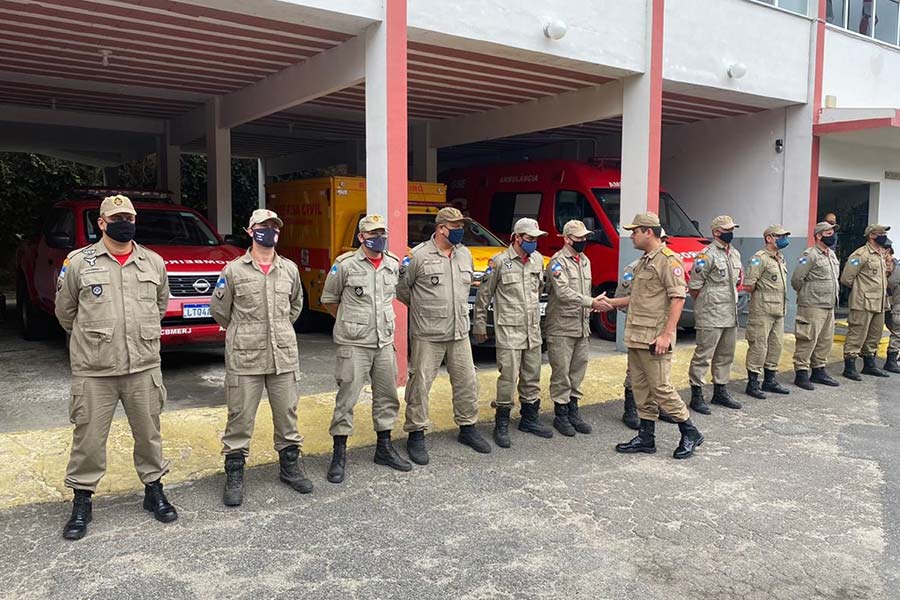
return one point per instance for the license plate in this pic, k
(195, 311)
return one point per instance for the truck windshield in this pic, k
(421, 227)
(161, 228)
(673, 218)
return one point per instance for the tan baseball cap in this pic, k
(874, 228)
(449, 214)
(576, 228)
(647, 219)
(723, 222)
(261, 215)
(526, 226)
(823, 226)
(372, 223)
(114, 205)
(775, 230)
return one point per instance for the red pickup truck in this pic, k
(193, 251)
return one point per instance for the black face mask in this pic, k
(579, 246)
(881, 240)
(266, 236)
(120, 231)
(830, 240)
(726, 236)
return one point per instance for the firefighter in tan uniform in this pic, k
(767, 283)
(815, 279)
(513, 282)
(111, 297)
(713, 285)
(434, 282)
(257, 299)
(568, 326)
(890, 363)
(866, 275)
(654, 307)
(359, 293)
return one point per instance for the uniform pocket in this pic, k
(283, 297)
(95, 288)
(873, 301)
(148, 283)
(641, 329)
(343, 368)
(802, 329)
(389, 319)
(92, 344)
(150, 333)
(465, 274)
(78, 413)
(159, 393)
(356, 324)
(510, 277)
(432, 319)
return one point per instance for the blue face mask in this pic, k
(782, 243)
(456, 236)
(376, 244)
(529, 247)
(267, 236)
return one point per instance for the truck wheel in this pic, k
(604, 324)
(35, 322)
(303, 324)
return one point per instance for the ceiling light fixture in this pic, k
(105, 60)
(737, 70)
(555, 29)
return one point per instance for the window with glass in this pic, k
(873, 18)
(574, 205)
(161, 228)
(797, 6)
(421, 226)
(672, 217)
(509, 207)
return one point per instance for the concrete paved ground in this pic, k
(791, 498)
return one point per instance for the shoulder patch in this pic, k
(334, 269)
(628, 275)
(755, 261)
(854, 261)
(678, 271)
(555, 268)
(405, 261)
(804, 259)
(221, 282)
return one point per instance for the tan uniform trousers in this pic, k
(652, 387)
(627, 383)
(716, 345)
(814, 330)
(243, 393)
(568, 363)
(863, 333)
(894, 343)
(765, 340)
(520, 373)
(92, 406)
(354, 366)
(426, 360)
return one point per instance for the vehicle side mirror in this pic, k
(59, 239)
(237, 240)
(600, 237)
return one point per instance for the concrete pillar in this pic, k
(424, 156)
(641, 138)
(169, 164)
(218, 168)
(386, 140)
(261, 182)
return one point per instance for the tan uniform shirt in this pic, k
(716, 274)
(768, 276)
(815, 278)
(865, 274)
(258, 312)
(569, 302)
(436, 289)
(658, 277)
(515, 287)
(894, 290)
(626, 281)
(112, 311)
(364, 295)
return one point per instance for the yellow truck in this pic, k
(321, 218)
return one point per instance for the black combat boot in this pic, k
(801, 380)
(770, 384)
(666, 417)
(82, 514)
(338, 460)
(698, 403)
(890, 363)
(820, 375)
(470, 437)
(644, 441)
(386, 455)
(529, 421)
(630, 416)
(691, 439)
(291, 470)
(753, 386)
(580, 425)
(850, 371)
(870, 368)
(415, 447)
(561, 419)
(234, 479)
(723, 398)
(501, 427)
(156, 502)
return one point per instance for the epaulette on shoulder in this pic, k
(669, 252)
(392, 255)
(345, 256)
(417, 247)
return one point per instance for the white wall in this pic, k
(729, 166)
(867, 164)
(601, 32)
(860, 72)
(704, 37)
